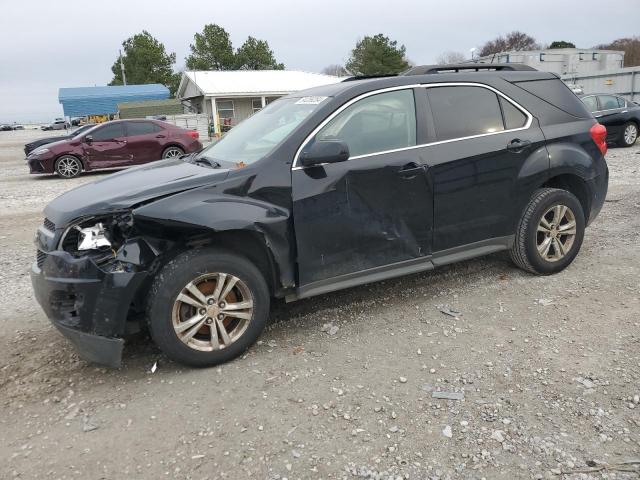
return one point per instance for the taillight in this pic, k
(193, 134)
(599, 134)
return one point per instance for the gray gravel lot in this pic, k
(342, 385)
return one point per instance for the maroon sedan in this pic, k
(116, 144)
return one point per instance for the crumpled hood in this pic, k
(130, 187)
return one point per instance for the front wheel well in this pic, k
(575, 185)
(250, 245)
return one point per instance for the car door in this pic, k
(106, 146)
(482, 141)
(144, 140)
(612, 113)
(374, 209)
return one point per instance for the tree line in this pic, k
(146, 59)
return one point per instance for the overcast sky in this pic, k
(48, 44)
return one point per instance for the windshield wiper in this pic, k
(209, 161)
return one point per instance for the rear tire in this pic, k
(172, 152)
(196, 322)
(68, 166)
(550, 232)
(629, 134)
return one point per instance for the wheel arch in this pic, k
(574, 184)
(171, 144)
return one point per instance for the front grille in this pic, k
(49, 225)
(40, 258)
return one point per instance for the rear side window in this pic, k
(108, 132)
(608, 102)
(381, 122)
(141, 128)
(556, 93)
(464, 111)
(591, 103)
(513, 117)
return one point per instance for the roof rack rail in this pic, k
(468, 67)
(364, 77)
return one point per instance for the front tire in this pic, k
(68, 166)
(629, 134)
(550, 232)
(207, 307)
(172, 152)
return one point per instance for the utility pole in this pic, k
(124, 78)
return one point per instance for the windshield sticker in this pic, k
(310, 100)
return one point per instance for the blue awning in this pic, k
(82, 101)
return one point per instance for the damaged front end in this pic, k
(86, 278)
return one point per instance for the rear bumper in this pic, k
(598, 186)
(86, 304)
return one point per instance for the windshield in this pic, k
(256, 136)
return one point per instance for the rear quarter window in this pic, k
(556, 93)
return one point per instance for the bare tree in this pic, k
(513, 41)
(450, 57)
(336, 70)
(630, 46)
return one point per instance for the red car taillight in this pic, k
(193, 134)
(599, 134)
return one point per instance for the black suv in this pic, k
(322, 190)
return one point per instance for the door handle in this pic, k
(161, 136)
(517, 145)
(410, 170)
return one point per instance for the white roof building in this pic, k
(230, 96)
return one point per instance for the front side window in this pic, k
(108, 132)
(591, 103)
(622, 102)
(381, 122)
(608, 102)
(461, 111)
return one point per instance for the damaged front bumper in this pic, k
(87, 304)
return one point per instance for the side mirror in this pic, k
(88, 139)
(325, 151)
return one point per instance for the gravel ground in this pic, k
(545, 372)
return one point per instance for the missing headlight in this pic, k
(92, 238)
(100, 234)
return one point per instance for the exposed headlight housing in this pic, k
(92, 238)
(104, 233)
(39, 151)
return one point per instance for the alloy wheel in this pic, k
(556, 233)
(68, 167)
(630, 134)
(173, 153)
(212, 311)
